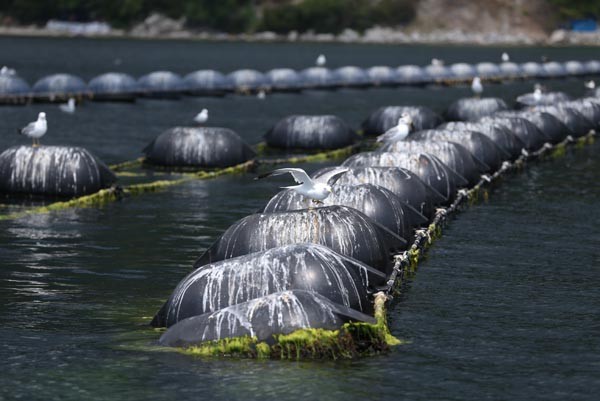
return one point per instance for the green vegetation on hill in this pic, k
(220, 15)
(569, 9)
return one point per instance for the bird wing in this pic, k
(324, 179)
(299, 175)
(28, 129)
(388, 135)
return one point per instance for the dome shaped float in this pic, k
(589, 107)
(413, 75)
(488, 70)
(510, 144)
(248, 81)
(532, 70)
(376, 202)
(528, 133)
(472, 108)
(387, 117)
(345, 230)
(284, 80)
(592, 67)
(574, 67)
(551, 126)
(351, 76)
(13, 85)
(511, 70)
(480, 146)
(207, 82)
(60, 86)
(455, 156)
(204, 147)
(463, 71)
(405, 184)
(554, 69)
(428, 168)
(278, 313)
(438, 73)
(318, 77)
(308, 267)
(52, 171)
(161, 84)
(382, 76)
(577, 123)
(310, 132)
(113, 86)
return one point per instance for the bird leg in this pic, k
(35, 144)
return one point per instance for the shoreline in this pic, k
(376, 35)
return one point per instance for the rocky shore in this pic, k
(157, 26)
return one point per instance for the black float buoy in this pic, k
(207, 82)
(161, 84)
(113, 86)
(387, 117)
(506, 140)
(345, 230)
(377, 202)
(473, 108)
(204, 147)
(53, 171)
(310, 132)
(262, 318)
(308, 267)
(60, 86)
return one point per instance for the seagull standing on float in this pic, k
(316, 189)
(36, 129)
(505, 57)
(477, 87)
(399, 132)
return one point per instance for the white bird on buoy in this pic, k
(201, 117)
(36, 129)
(317, 189)
(437, 62)
(261, 94)
(505, 57)
(68, 107)
(476, 86)
(591, 84)
(537, 93)
(399, 132)
(321, 60)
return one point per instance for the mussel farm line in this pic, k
(356, 339)
(168, 85)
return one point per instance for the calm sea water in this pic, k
(506, 305)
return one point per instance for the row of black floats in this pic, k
(292, 267)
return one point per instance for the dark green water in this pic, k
(506, 306)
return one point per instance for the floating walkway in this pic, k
(114, 86)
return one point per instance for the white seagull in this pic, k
(317, 189)
(36, 129)
(399, 132)
(437, 62)
(476, 86)
(537, 93)
(68, 107)
(261, 94)
(201, 117)
(321, 60)
(591, 84)
(505, 57)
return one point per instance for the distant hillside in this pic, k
(531, 17)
